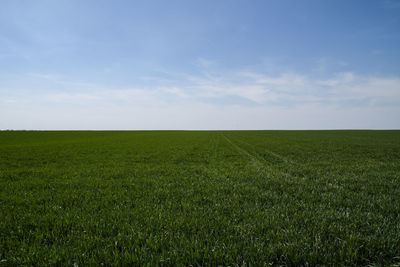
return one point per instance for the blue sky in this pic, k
(84, 64)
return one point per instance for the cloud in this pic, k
(236, 100)
(293, 88)
(260, 89)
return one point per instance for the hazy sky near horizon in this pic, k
(219, 64)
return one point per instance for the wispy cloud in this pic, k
(235, 100)
(286, 89)
(292, 88)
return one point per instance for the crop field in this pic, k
(200, 198)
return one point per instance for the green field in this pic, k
(200, 198)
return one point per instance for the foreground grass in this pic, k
(200, 198)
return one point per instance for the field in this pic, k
(200, 198)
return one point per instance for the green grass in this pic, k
(200, 198)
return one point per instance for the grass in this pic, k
(200, 198)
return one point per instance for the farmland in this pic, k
(199, 197)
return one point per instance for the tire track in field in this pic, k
(255, 160)
(214, 168)
(259, 162)
(211, 155)
(276, 155)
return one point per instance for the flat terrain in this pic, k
(200, 198)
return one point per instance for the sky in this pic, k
(198, 65)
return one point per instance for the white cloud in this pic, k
(262, 89)
(286, 101)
